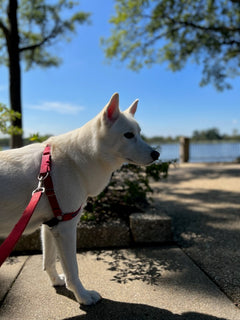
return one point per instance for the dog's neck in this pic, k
(83, 150)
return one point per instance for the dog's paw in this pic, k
(89, 297)
(58, 281)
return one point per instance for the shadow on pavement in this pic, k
(203, 202)
(63, 291)
(114, 310)
(139, 264)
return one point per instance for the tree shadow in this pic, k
(206, 221)
(206, 170)
(115, 310)
(145, 264)
(209, 215)
(138, 264)
(163, 267)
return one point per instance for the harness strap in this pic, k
(50, 193)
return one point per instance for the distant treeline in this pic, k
(212, 134)
(35, 138)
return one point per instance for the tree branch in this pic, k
(196, 26)
(34, 46)
(51, 35)
(230, 43)
(193, 25)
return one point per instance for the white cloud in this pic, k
(59, 107)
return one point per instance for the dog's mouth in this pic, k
(138, 163)
(154, 157)
(131, 161)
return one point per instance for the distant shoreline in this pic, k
(153, 141)
(200, 151)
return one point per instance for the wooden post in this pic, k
(184, 149)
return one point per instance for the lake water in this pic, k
(203, 152)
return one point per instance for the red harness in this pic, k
(45, 185)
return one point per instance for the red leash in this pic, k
(45, 179)
(8, 245)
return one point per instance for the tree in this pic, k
(154, 31)
(209, 134)
(27, 29)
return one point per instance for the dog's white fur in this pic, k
(82, 163)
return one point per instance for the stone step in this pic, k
(151, 227)
(145, 228)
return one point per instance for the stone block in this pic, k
(144, 228)
(150, 227)
(111, 234)
(31, 242)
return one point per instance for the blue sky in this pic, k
(57, 100)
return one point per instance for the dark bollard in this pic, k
(184, 149)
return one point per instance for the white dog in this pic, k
(82, 163)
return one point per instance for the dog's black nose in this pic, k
(155, 155)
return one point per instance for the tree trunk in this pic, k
(14, 71)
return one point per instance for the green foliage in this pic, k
(41, 23)
(210, 134)
(127, 192)
(156, 31)
(35, 137)
(6, 117)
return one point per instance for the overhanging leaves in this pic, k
(176, 31)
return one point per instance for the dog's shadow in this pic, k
(115, 310)
(63, 291)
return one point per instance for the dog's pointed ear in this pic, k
(111, 111)
(133, 107)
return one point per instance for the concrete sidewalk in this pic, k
(141, 283)
(203, 201)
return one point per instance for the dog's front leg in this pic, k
(49, 257)
(65, 236)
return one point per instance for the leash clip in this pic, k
(40, 183)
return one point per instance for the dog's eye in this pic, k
(129, 135)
